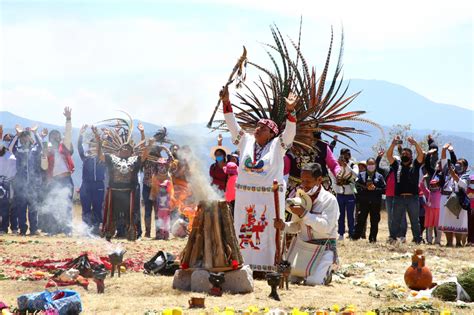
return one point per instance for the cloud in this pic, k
(167, 69)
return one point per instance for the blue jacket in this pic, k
(93, 169)
(363, 193)
(28, 162)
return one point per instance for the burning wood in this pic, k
(212, 244)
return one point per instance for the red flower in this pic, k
(235, 264)
(184, 266)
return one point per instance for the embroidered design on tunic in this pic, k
(253, 167)
(239, 137)
(251, 227)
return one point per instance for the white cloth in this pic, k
(322, 272)
(254, 204)
(8, 165)
(448, 222)
(320, 222)
(60, 166)
(350, 173)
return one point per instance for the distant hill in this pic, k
(386, 103)
(389, 104)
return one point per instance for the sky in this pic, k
(164, 61)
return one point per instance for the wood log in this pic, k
(228, 234)
(207, 259)
(219, 255)
(197, 228)
(196, 253)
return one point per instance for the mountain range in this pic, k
(386, 103)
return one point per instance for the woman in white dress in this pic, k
(455, 179)
(261, 162)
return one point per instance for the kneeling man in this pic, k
(315, 211)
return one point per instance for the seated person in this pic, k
(312, 253)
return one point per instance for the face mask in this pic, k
(219, 158)
(458, 168)
(371, 168)
(405, 159)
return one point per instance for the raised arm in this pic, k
(100, 153)
(67, 141)
(289, 133)
(142, 131)
(382, 170)
(420, 155)
(79, 142)
(234, 128)
(390, 157)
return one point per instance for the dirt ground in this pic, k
(370, 277)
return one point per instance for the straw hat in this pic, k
(301, 199)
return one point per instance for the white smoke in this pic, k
(199, 182)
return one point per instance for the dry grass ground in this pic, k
(374, 276)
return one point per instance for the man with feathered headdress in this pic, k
(123, 161)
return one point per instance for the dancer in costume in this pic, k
(123, 161)
(313, 252)
(316, 110)
(261, 163)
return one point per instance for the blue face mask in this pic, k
(219, 158)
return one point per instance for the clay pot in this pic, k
(418, 276)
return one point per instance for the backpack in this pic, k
(162, 263)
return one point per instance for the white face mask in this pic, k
(371, 168)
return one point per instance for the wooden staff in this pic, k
(237, 69)
(277, 216)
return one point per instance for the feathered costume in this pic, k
(317, 110)
(123, 176)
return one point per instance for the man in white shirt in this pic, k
(312, 253)
(345, 192)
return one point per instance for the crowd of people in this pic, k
(326, 198)
(37, 189)
(435, 191)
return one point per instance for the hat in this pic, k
(231, 168)
(216, 148)
(302, 199)
(362, 162)
(270, 124)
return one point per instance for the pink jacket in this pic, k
(433, 199)
(230, 188)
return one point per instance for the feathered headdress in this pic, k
(117, 134)
(319, 109)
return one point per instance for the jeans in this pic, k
(26, 199)
(5, 214)
(148, 203)
(372, 207)
(389, 206)
(92, 201)
(346, 204)
(403, 204)
(137, 207)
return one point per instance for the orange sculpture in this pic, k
(418, 276)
